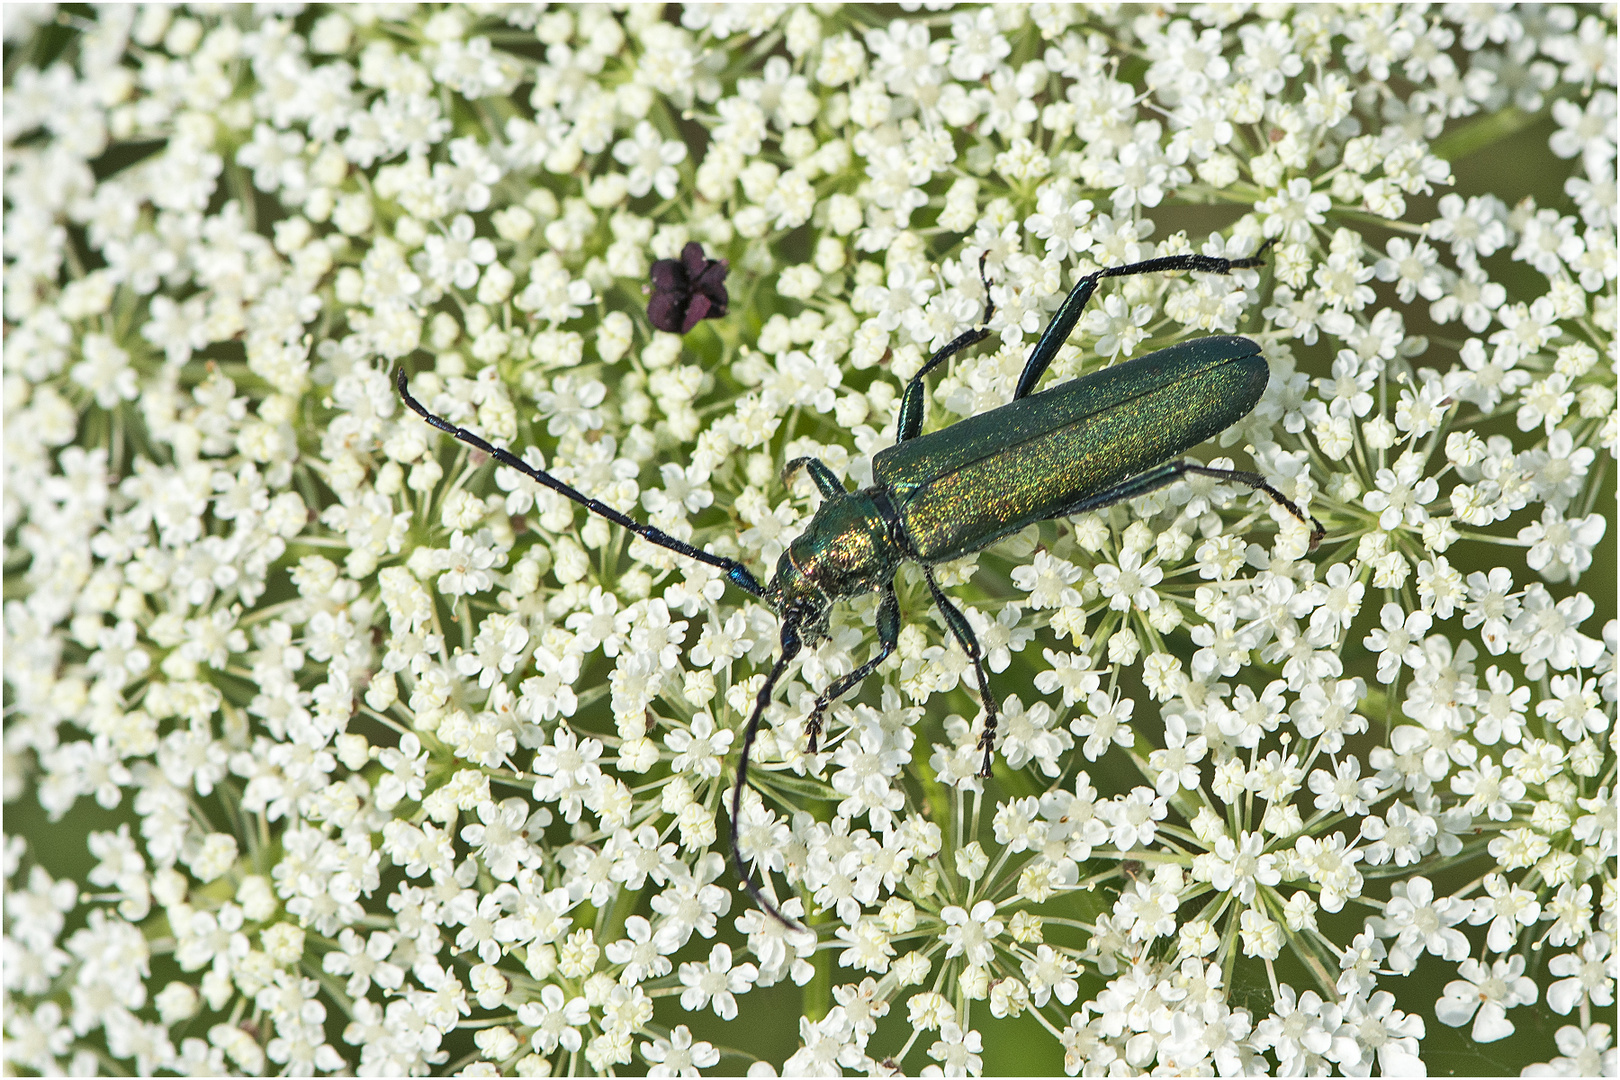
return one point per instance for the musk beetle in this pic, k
(1081, 445)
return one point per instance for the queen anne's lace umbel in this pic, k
(331, 748)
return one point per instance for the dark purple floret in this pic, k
(687, 290)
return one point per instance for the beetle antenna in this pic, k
(790, 649)
(735, 572)
(1258, 259)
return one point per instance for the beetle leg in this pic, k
(1258, 483)
(826, 482)
(1054, 336)
(1057, 331)
(963, 631)
(888, 629)
(1170, 472)
(735, 572)
(1131, 488)
(790, 649)
(914, 403)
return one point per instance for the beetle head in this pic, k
(798, 600)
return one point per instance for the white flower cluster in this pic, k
(387, 761)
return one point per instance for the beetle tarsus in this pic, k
(987, 739)
(813, 726)
(1260, 483)
(888, 627)
(962, 630)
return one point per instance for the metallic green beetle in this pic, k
(1079, 446)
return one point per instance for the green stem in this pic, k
(1484, 132)
(817, 997)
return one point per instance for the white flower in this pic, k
(556, 1021)
(1506, 907)
(1108, 722)
(552, 293)
(652, 161)
(716, 980)
(105, 371)
(1491, 992)
(467, 563)
(454, 258)
(1590, 975)
(679, 1055)
(1117, 325)
(1386, 1033)
(1585, 1053)
(972, 935)
(1294, 210)
(700, 750)
(1130, 584)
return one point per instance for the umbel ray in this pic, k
(1079, 446)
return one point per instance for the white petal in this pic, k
(1492, 1023)
(1455, 1011)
